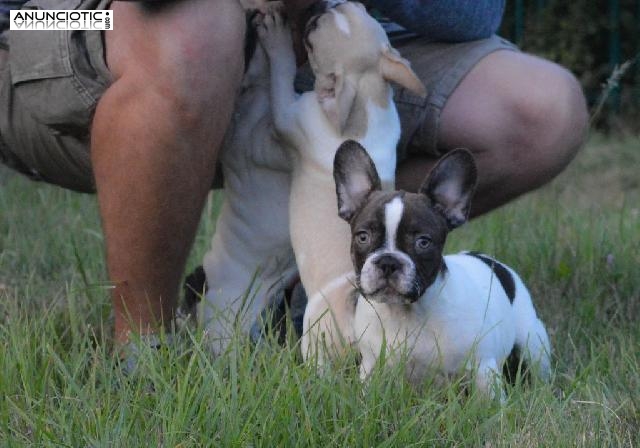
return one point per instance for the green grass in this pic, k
(576, 243)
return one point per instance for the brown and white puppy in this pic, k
(454, 313)
(354, 64)
(250, 259)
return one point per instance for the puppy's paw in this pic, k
(257, 5)
(274, 7)
(275, 34)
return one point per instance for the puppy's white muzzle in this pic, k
(390, 277)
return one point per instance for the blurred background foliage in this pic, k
(591, 38)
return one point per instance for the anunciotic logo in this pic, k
(59, 19)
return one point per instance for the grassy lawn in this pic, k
(576, 243)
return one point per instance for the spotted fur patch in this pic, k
(504, 276)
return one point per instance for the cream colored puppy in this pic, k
(354, 64)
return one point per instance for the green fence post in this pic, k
(614, 49)
(519, 22)
(637, 57)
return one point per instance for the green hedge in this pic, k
(588, 37)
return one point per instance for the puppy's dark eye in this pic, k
(362, 238)
(423, 242)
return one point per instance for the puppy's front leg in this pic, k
(367, 363)
(275, 38)
(488, 380)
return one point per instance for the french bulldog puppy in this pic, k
(251, 260)
(354, 64)
(463, 312)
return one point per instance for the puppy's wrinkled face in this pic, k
(342, 34)
(397, 242)
(351, 56)
(398, 237)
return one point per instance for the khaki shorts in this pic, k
(48, 94)
(54, 79)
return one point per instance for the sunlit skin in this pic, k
(155, 140)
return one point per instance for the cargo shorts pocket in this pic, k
(44, 79)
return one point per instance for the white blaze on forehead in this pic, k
(392, 215)
(341, 22)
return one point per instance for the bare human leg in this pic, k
(524, 118)
(155, 141)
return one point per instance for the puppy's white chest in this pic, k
(405, 330)
(459, 320)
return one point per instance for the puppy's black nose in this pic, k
(388, 264)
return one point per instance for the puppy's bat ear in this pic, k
(395, 68)
(450, 186)
(355, 176)
(336, 98)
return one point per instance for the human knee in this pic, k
(187, 53)
(549, 123)
(201, 50)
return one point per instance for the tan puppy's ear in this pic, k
(336, 98)
(397, 69)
